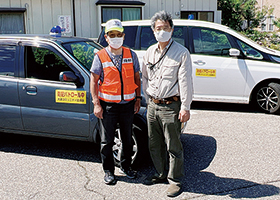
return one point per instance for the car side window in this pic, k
(7, 60)
(249, 51)
(147, 37)
(130, 36)
(178, 35)
(42, 63)
(84, 52)
(210, 42)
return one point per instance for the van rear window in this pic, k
(7, 60)
(129, 38)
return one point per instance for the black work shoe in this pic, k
(174, 190)
(109, 178)
(129, 173)
(154, 180)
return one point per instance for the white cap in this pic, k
(113, 25)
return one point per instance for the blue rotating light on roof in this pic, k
(55, 31)
(191, 16)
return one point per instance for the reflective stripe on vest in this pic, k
(111, 88)
(107, 64)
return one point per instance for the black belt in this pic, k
(168, 100)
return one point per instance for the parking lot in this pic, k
(231, 152)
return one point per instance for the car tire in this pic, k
(268, 98)
(140, 144)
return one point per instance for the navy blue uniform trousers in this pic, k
(113, 114)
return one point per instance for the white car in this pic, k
(227, 66)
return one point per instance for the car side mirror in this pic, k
(69, 76)
(234, 52)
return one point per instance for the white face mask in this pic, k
(116, 42)
(162, 36)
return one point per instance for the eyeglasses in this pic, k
(113, 35)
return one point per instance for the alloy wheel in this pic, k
(267, 98)
(117, 147)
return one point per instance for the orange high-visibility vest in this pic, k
(116, 84)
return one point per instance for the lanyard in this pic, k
(151, 66)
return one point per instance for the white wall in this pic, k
(198, 5)
(176, 6)
(86, 18)
(153, 6)
(41, 15)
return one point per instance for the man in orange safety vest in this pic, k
(116, 94)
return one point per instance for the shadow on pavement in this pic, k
(199, 152)
(233, 107)
(49, 147)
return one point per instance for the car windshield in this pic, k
(83, 51)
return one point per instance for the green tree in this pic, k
(237, 12)
(231, 14)
(277, 23)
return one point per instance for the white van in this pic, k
(227, 66)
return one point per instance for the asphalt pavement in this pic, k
(231, 152)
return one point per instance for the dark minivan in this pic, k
(44, 87)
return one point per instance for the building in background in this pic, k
(267, 25)
(84, 17)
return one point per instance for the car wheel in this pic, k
(268, 98)
(139, 140)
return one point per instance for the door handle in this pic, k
(199, 62)
(31, 90)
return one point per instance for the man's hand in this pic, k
(98, 111)
(184, 115)
(137, 106)
(137, 91)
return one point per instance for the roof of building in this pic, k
(116, 2)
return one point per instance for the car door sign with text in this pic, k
(206, 72)
(70, 96)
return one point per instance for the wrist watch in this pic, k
(139, 97)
